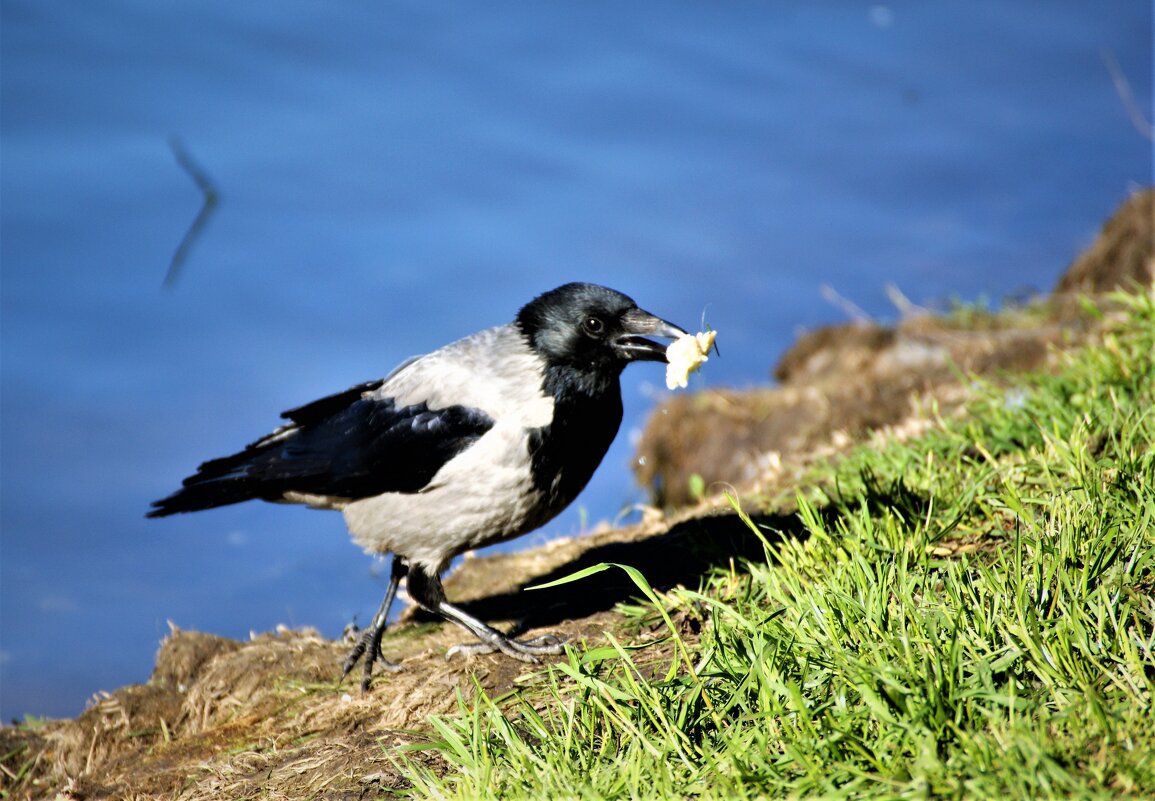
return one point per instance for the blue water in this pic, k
(393, 176)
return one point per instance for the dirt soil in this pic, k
(268, 719)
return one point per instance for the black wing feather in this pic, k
(342, 446)
(318, 410)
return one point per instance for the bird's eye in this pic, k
(594, 326)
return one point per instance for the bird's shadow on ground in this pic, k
(684, 555)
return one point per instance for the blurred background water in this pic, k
(395, 175)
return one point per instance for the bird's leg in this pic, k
(426, 589)
(369, 644)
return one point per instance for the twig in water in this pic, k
(211, 199)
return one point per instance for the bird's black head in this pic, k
(593, 329)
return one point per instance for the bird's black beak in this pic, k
(632, 344)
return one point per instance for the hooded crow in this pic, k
(478, 442)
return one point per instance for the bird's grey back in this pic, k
(493, 370)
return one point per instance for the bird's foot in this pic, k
(425, 588)
(368, 643)
(524, 650)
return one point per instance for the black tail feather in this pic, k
(228, 479)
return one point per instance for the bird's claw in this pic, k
(390, 666)
(360, 651)
(523, 650)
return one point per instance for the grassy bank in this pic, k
(969, 614)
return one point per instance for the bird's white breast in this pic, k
(482, 496)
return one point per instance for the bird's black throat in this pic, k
(586, 418)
